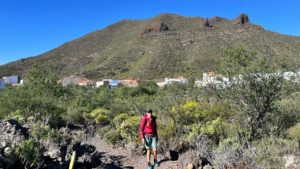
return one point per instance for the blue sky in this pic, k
(32, 27)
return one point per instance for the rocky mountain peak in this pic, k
(242, 19)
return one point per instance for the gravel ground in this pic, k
(122, 158)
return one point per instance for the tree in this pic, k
(43, 82)
(253, 87)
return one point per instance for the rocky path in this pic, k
(120, 158)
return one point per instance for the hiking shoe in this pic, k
(149, 166)
(156, 164)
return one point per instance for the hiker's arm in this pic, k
(142, 127)
(156, 134)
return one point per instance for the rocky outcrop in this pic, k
(59, 155)
(242, 19)
(192, 160)
(155, 27)
(206, 24)
(198, 157)
(11, 134)
(55, 154)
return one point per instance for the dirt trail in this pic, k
(123, 159)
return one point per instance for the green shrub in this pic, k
(214, 129)
(119, 119)
(44, 132)
(100, 115)
(166, 130)
(101, 118)
(288, 113)
(269, 151)
(74, 115)
(194, 131)
(264, 153)
(29, 152)
(194, 111)
(191, 111)
(294, 132)
(232, 152)
(129, 129)
(231, 142)
(113, 137)
(145, 88)
(18, 115)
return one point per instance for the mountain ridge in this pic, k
(165, 45)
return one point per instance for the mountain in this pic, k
(164, 46)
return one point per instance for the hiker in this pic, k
(148, 134)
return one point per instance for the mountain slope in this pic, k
(166, 45)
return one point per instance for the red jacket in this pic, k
(148, 127)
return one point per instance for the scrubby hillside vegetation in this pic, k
(252, 123)
(163, 46)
